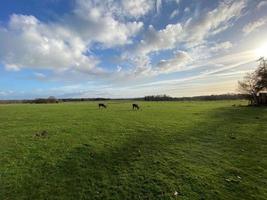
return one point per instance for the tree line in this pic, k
(195, 98)
(146, 98)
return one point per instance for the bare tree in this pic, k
(248, 87)
(262, 74)
(254, 82)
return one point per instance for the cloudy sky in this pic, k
(128, 48)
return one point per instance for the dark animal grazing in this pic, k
(101, 105)
(135, 106)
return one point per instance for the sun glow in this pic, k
(261, 51)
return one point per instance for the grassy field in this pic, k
(167, 150)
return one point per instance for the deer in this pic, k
(136, 106)
(101, 105)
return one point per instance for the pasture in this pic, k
(166, 150)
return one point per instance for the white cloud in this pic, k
(213, 68)
(209, 50)
(180, 60)
(29, 43)
(6, 93)
(221, 46)
(206, 82)
(142, 65)
(118, 8)
(137, 8)
(187, 10)
(158, 5)
(12, 67)
(261, 4)
(95, 22)
(177, 1)
(253, 26)
(174, 13)
(160, 40)
(214, 80)
(193, 32)
(64, 44)
(144, 68)
(202, 26)
(190, 34)
(40, 76)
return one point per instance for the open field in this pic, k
(168, 150)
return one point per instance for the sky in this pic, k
(128, 48)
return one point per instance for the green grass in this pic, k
(200, 150)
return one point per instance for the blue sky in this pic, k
(133, 48)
